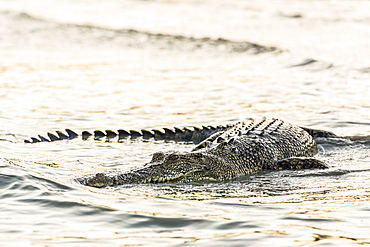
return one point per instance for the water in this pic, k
(112, 64)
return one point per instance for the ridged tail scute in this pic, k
(122, 134)
(186, 134)
(147, 134)
(111, 134)
(99, 135)
(52, 137)
(86, 135)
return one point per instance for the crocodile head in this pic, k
(166, 168)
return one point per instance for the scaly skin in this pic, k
(241, 149)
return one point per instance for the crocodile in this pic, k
(221, 153)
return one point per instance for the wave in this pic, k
(24, 24)
(313, 64)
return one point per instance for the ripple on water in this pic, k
(106, 76)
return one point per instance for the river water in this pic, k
(133, 64)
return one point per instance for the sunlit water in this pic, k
(112, 64)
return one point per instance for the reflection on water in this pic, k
(113, 65)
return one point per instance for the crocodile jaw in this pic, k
(185, 177)
(164, 168)
(102, 180)
(164, 179)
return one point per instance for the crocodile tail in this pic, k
(185, 134)
(52, 137)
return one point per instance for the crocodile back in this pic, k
(255, 144)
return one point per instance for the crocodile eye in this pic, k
(173, 157)
(157, 156)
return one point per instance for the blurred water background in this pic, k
(133, 64)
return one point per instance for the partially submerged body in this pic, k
(240, 149)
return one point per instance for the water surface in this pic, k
(89, 65)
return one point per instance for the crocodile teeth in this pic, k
(163, 180)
